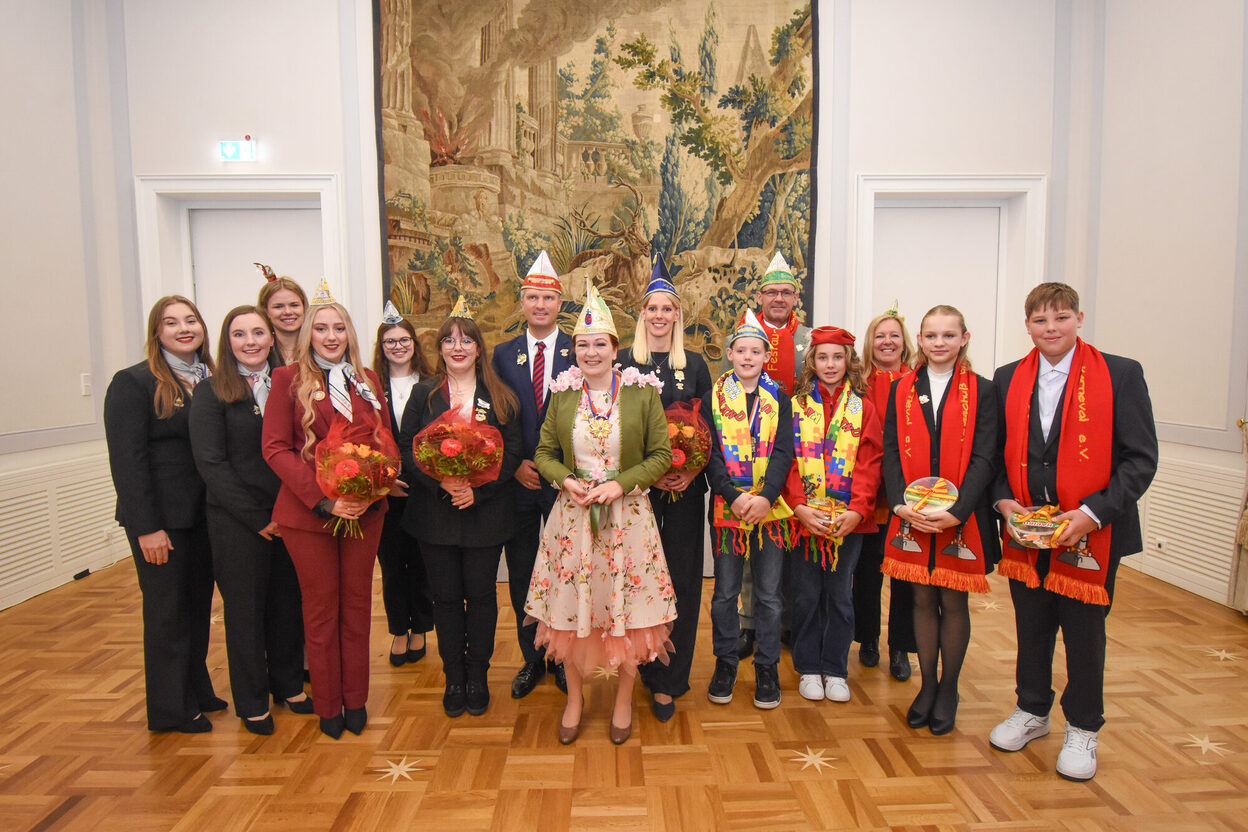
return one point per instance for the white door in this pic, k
(924, 256)
(225, 242)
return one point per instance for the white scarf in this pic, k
(340, 375)
(190, 372)
(260, 385)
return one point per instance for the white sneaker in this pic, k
(836, 688)
(1077, 761)
(810, 686)
(1018, 730)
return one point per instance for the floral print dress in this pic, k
(603, 599)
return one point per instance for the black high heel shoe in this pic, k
(939, 725)
(332, 726)
(416, 655)
(300, 706)
(263, 726)
(355, 719)
(917, 716)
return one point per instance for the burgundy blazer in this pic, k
(282, 440)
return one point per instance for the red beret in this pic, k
(831, 335)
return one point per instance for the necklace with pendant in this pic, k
(600, 423)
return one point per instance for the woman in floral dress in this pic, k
(600, 591)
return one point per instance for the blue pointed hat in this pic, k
(660, 281)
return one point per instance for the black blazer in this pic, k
(695, 383)
(153, 470)
(519, 377)
(225, 439)
(981, 471)
(1133, 461)
(429, 515)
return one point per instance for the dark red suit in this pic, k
(335, 573)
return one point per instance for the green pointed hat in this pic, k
(778, 272)
(595, 317)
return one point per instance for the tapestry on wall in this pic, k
(604, 133)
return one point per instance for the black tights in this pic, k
(942, 630)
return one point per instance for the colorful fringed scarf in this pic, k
(1084, 450)
(826, 452)
(957, 435)
(747, 440)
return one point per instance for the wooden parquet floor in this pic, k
(74, 753)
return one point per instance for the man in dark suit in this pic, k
(1078, 433)
(528, 363)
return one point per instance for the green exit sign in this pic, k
(237, 150)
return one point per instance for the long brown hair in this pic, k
(855, 372)
(868, 342)
(309, 378)
(963, 361)
(227, 381)
(168, 388)
(505, 402)
(381, 364)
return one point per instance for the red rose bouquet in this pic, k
(689, 436)
(365, 469)
(453, 445)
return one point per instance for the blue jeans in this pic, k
(766, 564)
(823, 611)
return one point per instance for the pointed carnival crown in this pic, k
(595, 317)
(322, 296)
(660, 280)
(542, 275)
(267, 271)
(778, 272)
(461, 309)
(390, 315)
(748, 328)
(892, 312)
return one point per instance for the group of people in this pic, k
(816, 455)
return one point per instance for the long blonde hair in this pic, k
(944, 309)
(309, 378)
(168, 388)
(641, 341)
(868, 342)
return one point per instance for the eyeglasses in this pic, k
(391, 343)
(449, 341)
(772, 294)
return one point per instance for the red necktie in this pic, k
(539, 373)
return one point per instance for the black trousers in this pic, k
(404, 579)
(868, 582)
(1038, 615)
(177, 611)
(532, 508)
(263, 613)
(465, 607)
(682, 527)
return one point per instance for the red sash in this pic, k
(1084, 451)
(879, 383)
(781, 364)
(914, 445)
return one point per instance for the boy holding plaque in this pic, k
(751, 451)
(940, 439)
(831, 489)
(1078, 435)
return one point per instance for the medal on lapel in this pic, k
(318, 395)
(522, 358)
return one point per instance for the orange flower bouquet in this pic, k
(689, 436)
(455, 446)
(361, 470)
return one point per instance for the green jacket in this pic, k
(645, 453)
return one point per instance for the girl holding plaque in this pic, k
(940, 435)
(831, 489)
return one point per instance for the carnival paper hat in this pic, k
(893, 313)
(542, 275)
(322, 296)
(461, 309)
(660, 281)
(267, 271)
(778, 272)
(595, 317)
(748, 328)
(390, 315)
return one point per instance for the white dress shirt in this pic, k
(549, 341)
(400, 392)
(1051, 384)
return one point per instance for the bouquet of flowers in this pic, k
(689, 436)
(365, 469)
(453, 445)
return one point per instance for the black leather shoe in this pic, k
(899, 664)
(869, 654)
(916, 718)
(355, 719)
(200, 724)
(745, 645)
(661, 711)
(263, 727)
(527, 678)
(478, 698)
(332, 726)
(414, 656)
(302, 706)
(213, 705)
(561, 677)
(454, 701)
(398, 659)
(940, 725)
